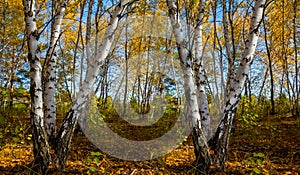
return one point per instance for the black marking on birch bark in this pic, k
(262, 6)
(255, 31)
(248, 60)
(30, 13)
(228, 103)
(244, 74)
(119, 5)
(172, 11)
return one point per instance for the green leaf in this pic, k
(96, 161)
(252, 161)
(92, 168)
(15, 139)
(17, 129)
(261, 155)
(259, 162)
(255, 170)
(96, 153)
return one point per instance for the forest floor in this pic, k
(271, 146)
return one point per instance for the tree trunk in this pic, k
(203, 159)
(270, 69)
(40, 144)
(296, 57)
(262, 87)
(79, 35)
(284, 57)
(50, 77)
(126, 69)
(219, 143)
(64, 136)
(200, 77)
(230, 57)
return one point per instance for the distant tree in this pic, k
(12, 49)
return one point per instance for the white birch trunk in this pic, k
(40, 143)
(50, 79)
(200, 77)
(220, 141)
(67, 128)
(200, 147)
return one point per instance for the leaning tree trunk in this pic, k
(40, 144)
(219, 142)
(65, 133)
(50, 77)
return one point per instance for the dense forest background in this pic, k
(143, 63)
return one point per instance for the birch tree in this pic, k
(200, 143)
(40, 143)
(62, 141)
(218, 144)
(66, 130)
(200, 77)
(50, 77)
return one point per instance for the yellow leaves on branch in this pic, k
(279, 22)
